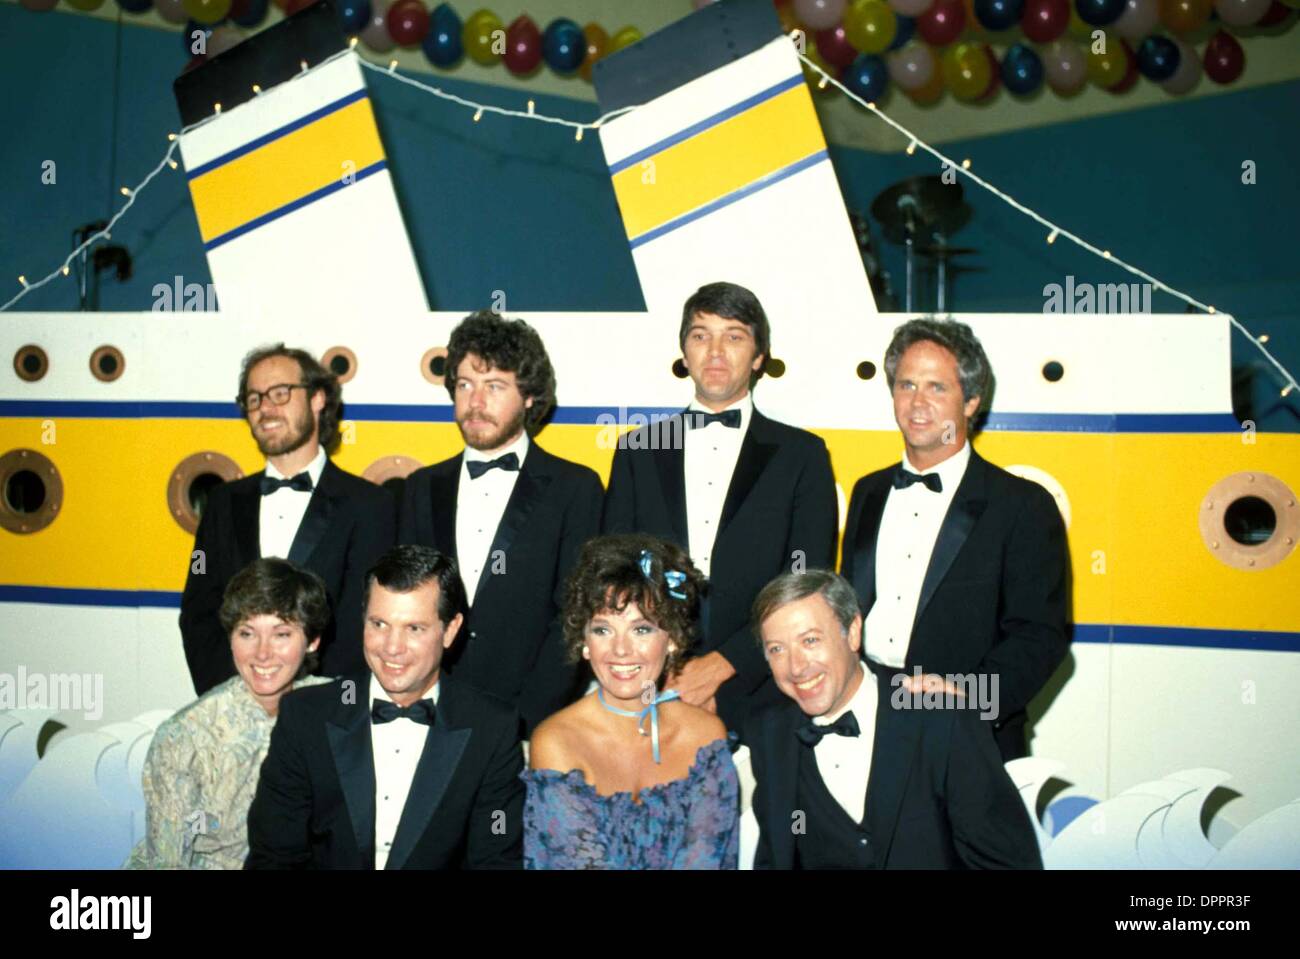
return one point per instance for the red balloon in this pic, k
(1130, 71)
(942, 23)
(1275, 15)
(523, 46)
(1224, 58)
(293, 6)
(833, 44)
(408, 22)
(995, 78)
(1045, 20)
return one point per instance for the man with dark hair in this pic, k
(960, 567)
(512, 515)
(399, 767)
(845, 779)
(301, 507)
(746, 496)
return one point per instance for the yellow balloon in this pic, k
(1108, 68)
(966, 70)
(624, 38)
(206, 11)
(1078, 28)
(870, 26)
(86, 5)
(477, 36)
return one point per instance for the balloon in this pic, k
(248, 13)
(930, 92)
(995, 75)
(1107, 68)
(1224, 58)
(207, 11)
(1138, 19)
(1065, 67)
(867, 76)
(1157, 58)
(966, 70)
(597, 43)
(624, 38)
(905, 31)
(376, 35)
(442, 44)
(819, 14)
(789, 19)
(408, 22)
(477, 38)
(870, 25)
(1276, 14)
(1184, 16)
(1241, 13)
(1045, 20)
(293, 6)
(1022, 70)
(86, 5)
(1099, 13)
(1077, 28)
(812, 76)
(834, 46)
(911, 8)
(523, 46)
(135, 6)
(353, 14)
(563, 45)
(999, 14)
(1188, 72)
(942, 23)
(222, 39)
(912, 67)
(40, 6)
(1130, 76)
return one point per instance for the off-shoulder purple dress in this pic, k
(689, 823)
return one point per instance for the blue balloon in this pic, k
(135, 6)
(1099, 13)
(189, 39)
(353, 14)
(254, 15)
(1022, 70)
(442, 44)
(867, 76)
(1000, 14)
(1158, 58)
(564, 45)
(906, 28)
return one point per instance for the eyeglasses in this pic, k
(278, 395)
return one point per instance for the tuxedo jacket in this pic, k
(780, 506)
(349, 524)
(315, 801)
(938, 796)
(511, 644)
(995, 595)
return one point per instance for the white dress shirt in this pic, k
(480, 504)
(396, 747)
(909, 527)
(710, 459)
(845, 761)
(281, 512)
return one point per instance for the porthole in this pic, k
(774, 368)
(31, 491)
(390, 472)
(340, 361)
(679, 369)
(866, 370)
(433, 365)
(1250, 520)
(191, 482)
(31, 363)
(1048, 482)
(107, 364)
(1053, 371)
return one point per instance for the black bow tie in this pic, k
(509, 462)
(905, 478)
(269, 484)
(697, 420)
(421, 711)
(810, 733)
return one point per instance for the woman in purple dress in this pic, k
(631, 777)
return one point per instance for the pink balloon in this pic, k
(173, 11)
(376, 35)
(1065, 66)
(911, 8)
(911, 67)
(819, 14)
(1139, 19)
(1188, 72)
(222, 39)
(40, 6)
(1242, 13)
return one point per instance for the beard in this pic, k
(492, 439)
(293, 438)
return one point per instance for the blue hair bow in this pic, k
(674, 578)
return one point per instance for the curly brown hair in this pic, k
(608, 576)
(511, 346)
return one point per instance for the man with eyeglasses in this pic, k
(301, 507)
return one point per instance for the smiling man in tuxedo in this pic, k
(512, 515)
(301, 507)
(746, 496)
(844, 780)
(960, 567)
(399, 767)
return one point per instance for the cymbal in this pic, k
(915, 204)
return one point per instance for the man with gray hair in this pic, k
(847, 781)
(960, 567)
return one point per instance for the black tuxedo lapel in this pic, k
(354, 760)
(530, 488)
(968, 504)
(316, 521)
(246, 515)
(443, 747)
(444, 487)
(781, 747)
(755, 452)
(891, 766)
(864, 544)
(670, 457)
